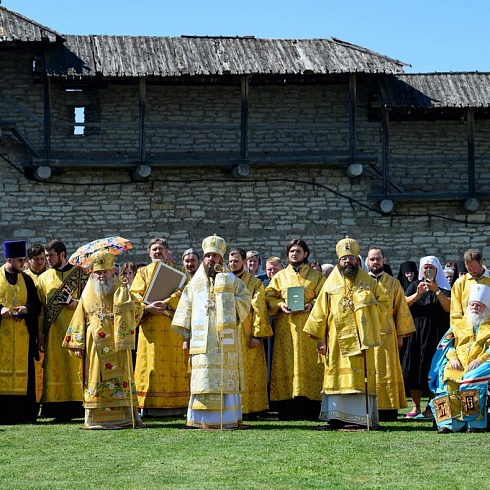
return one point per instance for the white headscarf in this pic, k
(440, 278)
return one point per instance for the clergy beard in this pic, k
(349, 270)
(104, 289)
(474, 318)
(10, 267)
(377, 271)
(210, 270)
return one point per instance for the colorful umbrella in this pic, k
(114, 244)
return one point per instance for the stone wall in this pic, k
(260, 212)
(318, 203)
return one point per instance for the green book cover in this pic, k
(296, 298)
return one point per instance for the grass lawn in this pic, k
(272, 455)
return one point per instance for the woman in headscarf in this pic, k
(429, 300)
(254, 265)
(407, 273)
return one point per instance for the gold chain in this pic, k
(347, 301)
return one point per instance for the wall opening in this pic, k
(79, 128)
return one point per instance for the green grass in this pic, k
(272, 455)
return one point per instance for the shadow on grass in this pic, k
(280, 426)
(178, 423)
(59, 422)
(262, 424)
(165, 425)
(408, 428)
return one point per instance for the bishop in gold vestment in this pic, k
(102, 333)
(460, 372)
(346, 320)
(210, 309)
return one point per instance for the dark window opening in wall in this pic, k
(79, 128)
(83, 112)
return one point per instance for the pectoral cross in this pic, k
(210, 304)
(103, 315)
(347, 302)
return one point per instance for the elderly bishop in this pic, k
(102, 334)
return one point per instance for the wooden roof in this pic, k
(435, 90)
(142, 56)
(16, 27)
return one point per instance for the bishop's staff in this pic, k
(225, 319)
(366, 391)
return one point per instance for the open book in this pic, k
(164, 282)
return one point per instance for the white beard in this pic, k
(104, 289)
(475, 319)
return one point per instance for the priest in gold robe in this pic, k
(296, 374)
(19, 308)
(102, 334)
(162, 381)
(390, 388)
(346, 321)
(59, 289)
(476, 273)
(253, 330)
(212, 306)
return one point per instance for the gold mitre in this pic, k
(347, 246)
(102, 261)
(214, 245)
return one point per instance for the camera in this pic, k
(429, 274)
